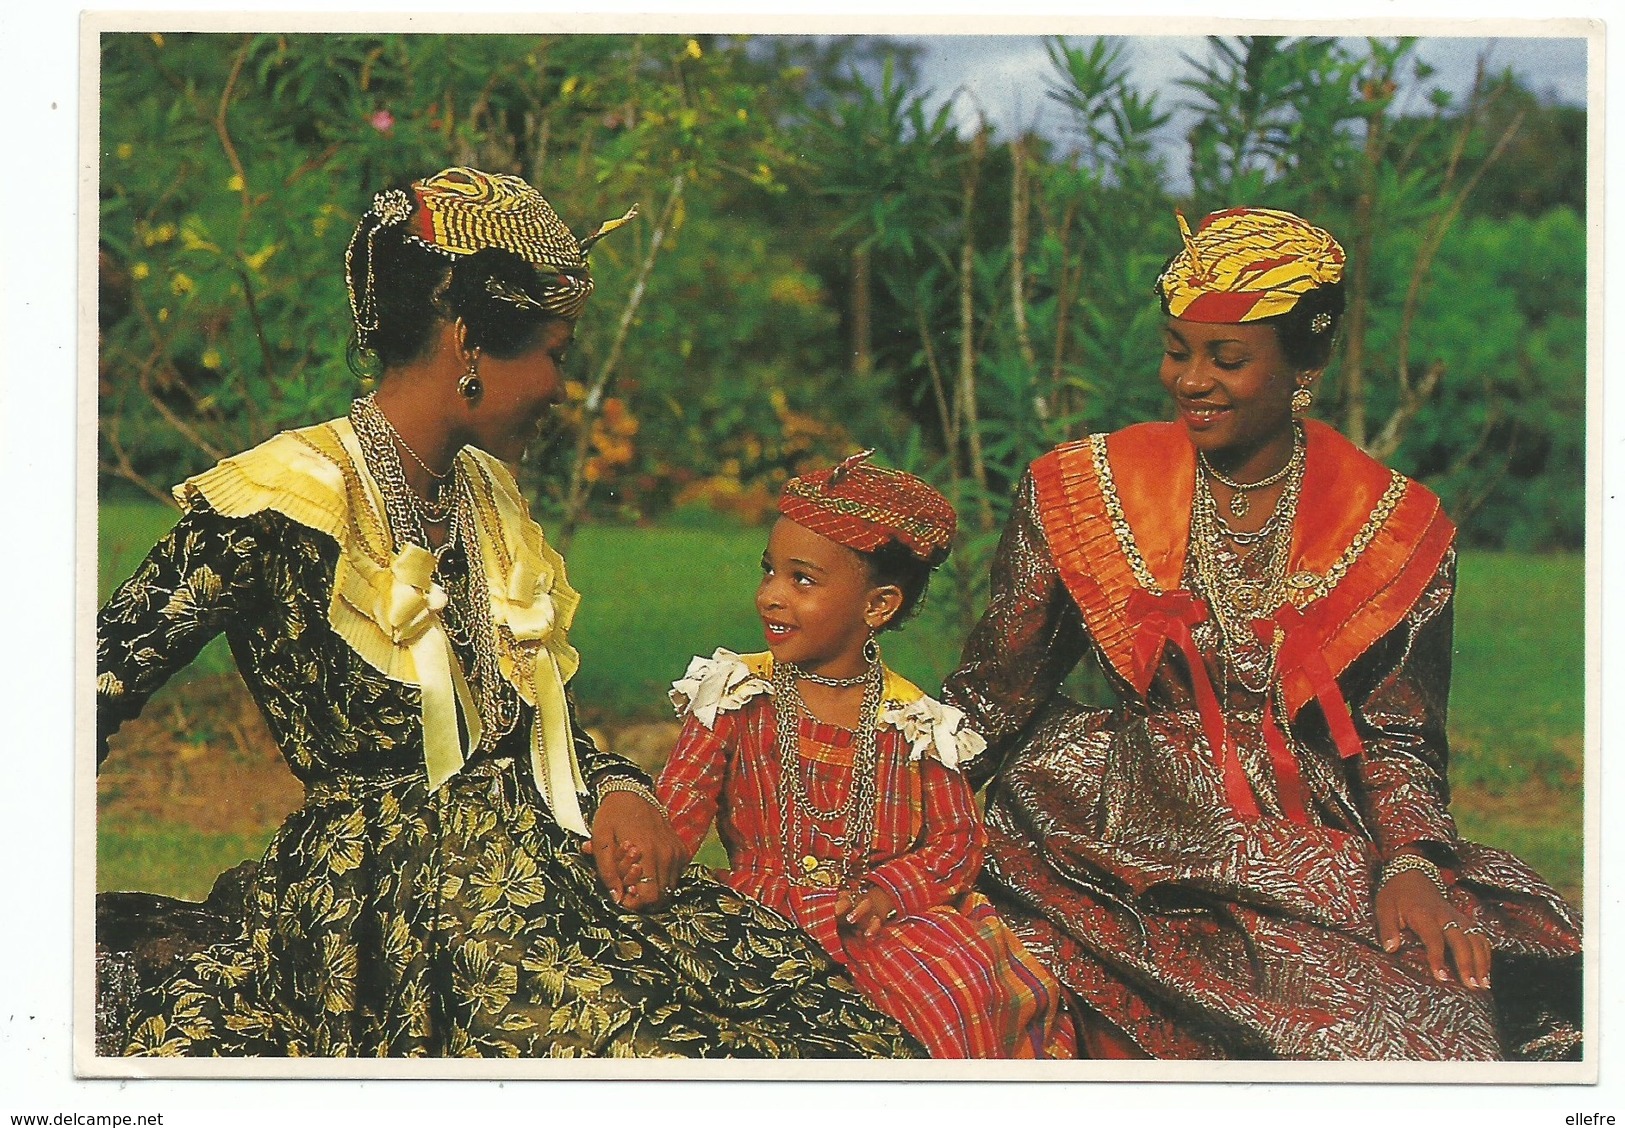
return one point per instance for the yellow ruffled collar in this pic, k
(386, 605)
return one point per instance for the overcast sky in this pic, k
(1007, 76)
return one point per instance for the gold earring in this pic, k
(1302, 399)
(469, 386)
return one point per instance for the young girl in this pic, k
(836, 783)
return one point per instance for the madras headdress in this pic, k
(1245, 264)
(862, 506)
(462, 210)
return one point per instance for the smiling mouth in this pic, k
(776, 632)
(1202, 414)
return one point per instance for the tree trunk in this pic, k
(576, 497)
(1352, 392)
(863, 358)
(967, 329)
(1020, 211)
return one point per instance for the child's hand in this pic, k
(640, 890)
(867, 913)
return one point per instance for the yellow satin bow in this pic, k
(409, 604)
(529, 613)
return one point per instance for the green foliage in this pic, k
(844, 263)
(1506, 446)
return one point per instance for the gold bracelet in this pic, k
(1404, 863)
(632, 787)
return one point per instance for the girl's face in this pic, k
(519, 394)
(817, 601)
(1232, 388)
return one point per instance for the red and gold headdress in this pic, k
(1245, 264)
(862, 506)
(459, 211)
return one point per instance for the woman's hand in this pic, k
(1408, 900)
(638, 854)
(865, 914)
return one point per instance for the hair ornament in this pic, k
(606, 227)
(503, 292)
(845, 466)
(392, 206)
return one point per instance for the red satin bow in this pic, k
(1300, 655)
(1168, 617)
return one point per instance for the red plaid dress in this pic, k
(947, 968)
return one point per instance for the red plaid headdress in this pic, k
(863, 506)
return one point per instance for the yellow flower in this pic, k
(235, 184)
(180, 284)
(343, 848)
(125, 151)
(570, 85)
(336, 977)
(563, 971)
(140, 270)
(692, 49)
(506, 875)
(257, 260)
(212, 358)
(163, 314)
(482, 976)
(152, 1037)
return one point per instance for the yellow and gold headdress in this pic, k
(1245, 264)
(462, 210)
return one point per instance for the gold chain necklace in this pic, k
(1239, 505)
(856, 812)
(435, 509)
(1235, 596)
(468, 610)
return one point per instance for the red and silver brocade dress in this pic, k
(1211, 906)
(948, 969)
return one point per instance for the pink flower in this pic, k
(383, 121)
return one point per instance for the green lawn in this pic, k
(653, 597)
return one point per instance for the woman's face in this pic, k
(817, 601)
(1231, 386)
(518, 394)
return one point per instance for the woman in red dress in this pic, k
(836, 784)
(1251, 854)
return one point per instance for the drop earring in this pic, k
(871, 650)
(1302, 399)
(468, 385)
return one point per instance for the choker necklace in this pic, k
(833, 683)
(1238, 490)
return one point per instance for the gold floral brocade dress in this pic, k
(392, 917)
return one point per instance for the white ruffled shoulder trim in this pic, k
(718, 684)
(934, 729)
